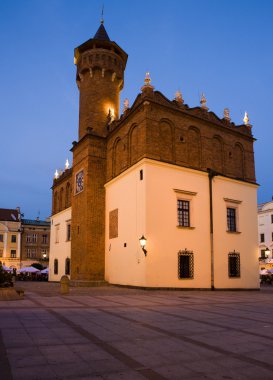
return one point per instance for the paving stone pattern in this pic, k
(117, 333)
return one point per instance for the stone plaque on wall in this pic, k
(113, 224)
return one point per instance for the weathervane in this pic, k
(102, 19)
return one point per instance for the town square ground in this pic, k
(119, 333)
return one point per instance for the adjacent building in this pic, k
(265, 228)
(10, 237)
(35, 240)
(162, 196)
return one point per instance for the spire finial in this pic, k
(102, 19)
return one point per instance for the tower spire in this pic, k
(102, 18)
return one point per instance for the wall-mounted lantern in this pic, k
(142, 242)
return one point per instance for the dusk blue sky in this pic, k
(222, 48)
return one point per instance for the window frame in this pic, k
(237, 273)
(235, 205)
(262, 237)
(13, 239)
(13, 253)
(185, 253)
(56, 266)
(189, 197)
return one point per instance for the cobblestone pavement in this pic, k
(118, 333)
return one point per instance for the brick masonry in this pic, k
(154, 127)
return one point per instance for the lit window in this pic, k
(13, 253)
(185, 264)
(231, 219)
(183, 213)
(234, 265)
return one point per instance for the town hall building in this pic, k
(161, 196)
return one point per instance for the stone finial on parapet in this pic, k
(226, 114)
(178, 97)
(203, 102)
(147, 87)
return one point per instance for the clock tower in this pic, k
(100, 66)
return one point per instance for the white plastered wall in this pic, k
(149, 207)
(62, 249)
(243, 197)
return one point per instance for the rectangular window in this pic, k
(29, 238)
(33, 252)
(68, 232)
(13, 253)
(141, 175)
(1, 238)
(57, 229)
(271, 218)
(44, 239)
(231, 219)
(185, 264)
(13, 238)
(183, 213)
(28, 253)
(34, 238)
(263, 253)
(234, 265)
(272, 236)
(261, 238)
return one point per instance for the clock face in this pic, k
(79, 182)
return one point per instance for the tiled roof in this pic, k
(101, 34)
(9, 215)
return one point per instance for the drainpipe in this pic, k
(211, 174)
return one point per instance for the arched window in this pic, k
(166, 141)
(61, 199)
(67, 265)
(55, 205)
(217, 154)
(134, 144)
(194, 147)
(56, 264)
(67, 195)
